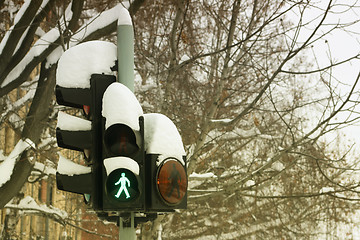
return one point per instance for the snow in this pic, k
(21, 11)
(236, 133)
(39, 32)
(72, 123)
(277, 166)
(121, 162)
(30, 205)
(78, 63)
(124, 16)
(97, 22)
(39, 47)
(100, 21)
(54, 56)
(67, 167)
(196, 179)
(10, 8)
(327, 190)
(249, 183)
(162, 137)
(46, 169)
(13, 106)
(202, 175)
(7, 166)
(184, 58)
(16, 20)
(19, 15)
(225, 120)
(121, 106)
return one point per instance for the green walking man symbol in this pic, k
(123, 181)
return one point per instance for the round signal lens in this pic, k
(122, 185)
(172, 181)
(120, 140)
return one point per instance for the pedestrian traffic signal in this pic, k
(122, 185)
(167, 184)
(171, 181)
(123, 155)
(166, 175)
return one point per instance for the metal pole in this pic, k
(125, 56)
(125, 49)
(127, 233)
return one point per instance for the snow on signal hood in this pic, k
(162, 137)
(78, 63)
(121, 106)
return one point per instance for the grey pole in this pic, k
(125, 49)
(125, 56)
(127, 233)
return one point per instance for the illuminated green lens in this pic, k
(122, 185)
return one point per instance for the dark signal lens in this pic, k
(172, 181)
(120, 140)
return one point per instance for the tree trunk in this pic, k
(11, 219)
(35, 123)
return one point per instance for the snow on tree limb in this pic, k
(7, 166)
(96, 24)
(42, 170)
(29, 205)
(20, 37)
(47, 47)
(12, 36)
(12, 107)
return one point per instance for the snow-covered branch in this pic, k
(7, 166)
(29, 205)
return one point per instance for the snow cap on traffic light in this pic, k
(162, 137)
(121, 106)
(78, 63)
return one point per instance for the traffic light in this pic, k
(82, 135)
(166, 175)
(73, 133)
(137, 161)
(83, 74)
(123, 155)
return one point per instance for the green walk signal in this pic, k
(122, 185)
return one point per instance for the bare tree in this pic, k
(253, 111)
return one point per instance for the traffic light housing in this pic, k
(82, 135)
(166, 176)
(123, 155)
(137, 161)
(167, 184)
(74, 138)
